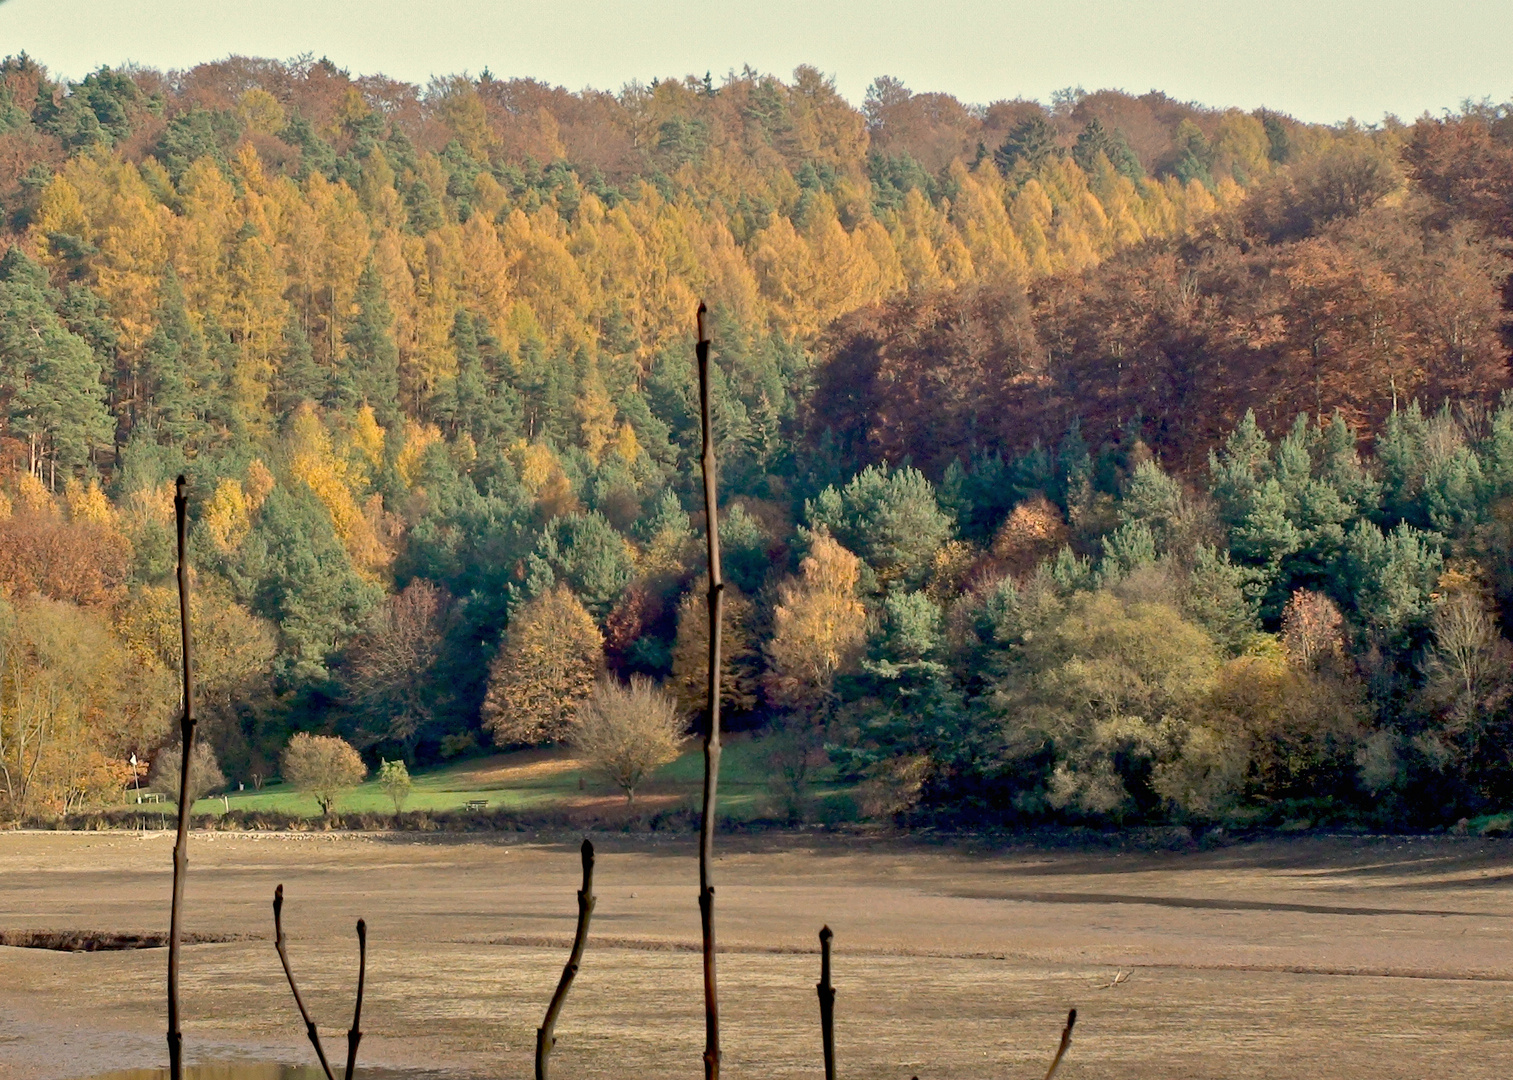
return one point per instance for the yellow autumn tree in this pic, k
(819, 628)
(313, 460)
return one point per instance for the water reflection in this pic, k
(261, 1071)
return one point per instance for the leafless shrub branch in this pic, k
(186, 755)
(544, 1037)
(354, 1035)
(712, 728)
(827, 1004)
(1066, 1041)
(283, 955)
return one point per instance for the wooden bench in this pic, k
(150, 796)
(476, 804)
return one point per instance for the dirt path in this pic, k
(1310, 958)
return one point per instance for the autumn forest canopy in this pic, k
(1110, 461)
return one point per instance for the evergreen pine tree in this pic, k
(1027, 145)
(51, 378)
(299, 377)
(472, 401)
(1400, 457)
(175, 376)
(294, 570)
(369, 372)
(1096, 139)
(909, 707)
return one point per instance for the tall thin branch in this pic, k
(283, 955)
(712, 724)
(1066, 1041)
(544, 1038)
(354, 1036)
(186, 755)
(827, 1004)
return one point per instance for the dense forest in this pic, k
(1116, 461)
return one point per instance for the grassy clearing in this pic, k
(535, 781)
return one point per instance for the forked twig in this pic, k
(544, 1037)
(354, 1036)
(1120, 978)
(283, 955)
(712, 725)
(827, 1004)
(1066, 1041)
(186, 755)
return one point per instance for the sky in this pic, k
(1319, 60)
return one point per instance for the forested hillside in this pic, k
(1118, 460)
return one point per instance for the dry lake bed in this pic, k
(1372, 957)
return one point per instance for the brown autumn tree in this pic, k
(1313, 632)
(79, 561)
(547, 663)
(925, 363)
(740, 661)
(1034, 530)
(1189, 333)
(1466, 164)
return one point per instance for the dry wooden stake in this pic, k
(712, 724)
(354, 1036)
(827, 1004)
(1066, 1041)
(186, 755)
(283, 955)
(544, 1037)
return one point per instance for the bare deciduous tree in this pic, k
(204, 774)
(389, 664)
(627, 732)
(1469, 668)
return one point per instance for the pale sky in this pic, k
(1321, 60)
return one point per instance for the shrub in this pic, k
(323, 766)
(394, 778)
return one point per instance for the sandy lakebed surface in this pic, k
(1350, 957)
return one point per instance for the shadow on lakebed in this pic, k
(267, 1071)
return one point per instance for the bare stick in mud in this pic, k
(283, 955)
(712, 724)
(1066, 1041)
(186, 755)
(354, 1036)
(544, 1037)
(827, 1004)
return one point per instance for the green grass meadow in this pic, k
(530, 781)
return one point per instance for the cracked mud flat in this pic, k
(1380, 958)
